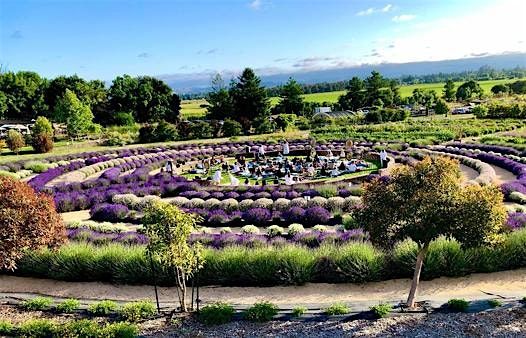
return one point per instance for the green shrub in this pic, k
(68, 305)
(381, 310)
(37, 303)
(216, 313)
(261, 312)
(120, 330)
(337, 309)
(6, 328)
(299, 311)
(102, 308)
(135, 311)
(494, 303)
(36, 328)
(459, 305)
(84, 328)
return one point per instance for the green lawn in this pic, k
(191, 108)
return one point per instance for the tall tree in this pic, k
(291, 98)
(374, 83)
(219, 101)
(249, 98)
(355, 97)
(42, 135)
(449, 91)
(468, 90)
(22, 95)
(76, 115)
(427, 201)
(92, 93)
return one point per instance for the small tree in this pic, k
(28, 221)
(449, 91)
(232, 128)
(480, 111)
(42, 135)
(76, 115)
(441, 107)
(168, 229)
(15, 141)
(427, 201)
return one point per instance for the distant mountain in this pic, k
(200, 82)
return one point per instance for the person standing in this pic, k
(286, 149)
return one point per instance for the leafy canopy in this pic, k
(427, 201)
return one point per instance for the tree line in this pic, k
(25, 95)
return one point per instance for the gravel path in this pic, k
(506, 284)
(504, 322)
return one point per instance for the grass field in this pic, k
(192, 109)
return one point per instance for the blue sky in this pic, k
(102, 39)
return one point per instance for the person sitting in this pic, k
(335, 172)
(235, 168)
(341, 167)
(247, 181)
(233, 181)
(352, 167)
(323, 171)
(310, 171)
(288, 179)
(224, 166)
(217, 177)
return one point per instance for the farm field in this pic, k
(192, 108)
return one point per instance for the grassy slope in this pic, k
(192, 108)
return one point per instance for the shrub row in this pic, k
(270, 265)
(73, 328)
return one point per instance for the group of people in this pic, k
(261, 168)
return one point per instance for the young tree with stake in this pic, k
(168, 229)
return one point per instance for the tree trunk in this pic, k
(416, 276)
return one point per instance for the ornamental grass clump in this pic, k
(337, 309)
(261, 312)
(216, 313)
(494, 303)
(6, 328)
(381, 310)
(138, 310)
(69, 305)
(299, 311)
(458, 305)
(102, 308)
(37, 303)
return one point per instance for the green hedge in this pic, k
(289, 264)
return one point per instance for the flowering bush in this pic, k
(250, 229)
(516, 220)
(316, 215)
(298, 202)
(295, 228)
(317, 201)
(109, 212)
(245, 204)
(257, 216)
(265, 203)
(294, 214)
(274, 230)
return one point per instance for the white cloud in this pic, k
(403, 17)
(255, 4)
(372, 10)
(445, 38)
(368, 11)
(387, 8)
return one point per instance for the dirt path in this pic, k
(468, 173)
(503, 175)
(438, 291)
